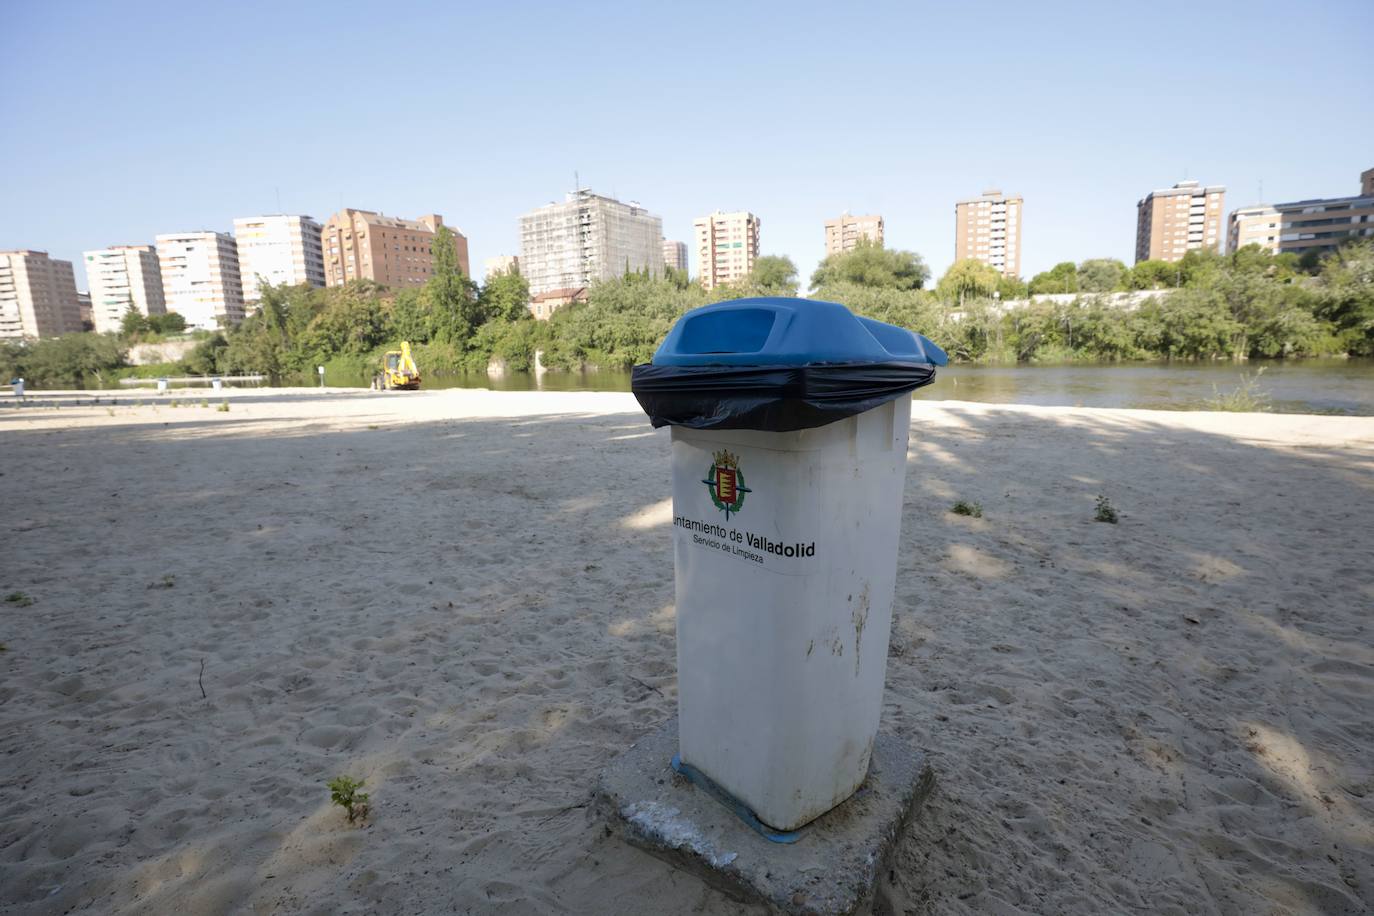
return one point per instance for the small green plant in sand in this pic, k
(174, 403)
(1248, 397)
(18, 599)
(343, 791)
(204, 402)
(1106, 512)
(223, 407)
(972, 510)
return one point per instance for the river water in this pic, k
(1329, 386)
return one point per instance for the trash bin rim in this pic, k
(828, 335)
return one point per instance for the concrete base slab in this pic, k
(833, 868)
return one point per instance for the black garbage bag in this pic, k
(771, 398)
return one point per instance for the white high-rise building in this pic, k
(276, 250)
(501, 264)
(727, 246)
(37, 296)
(587, 238)
(122, 276)
(200, 277)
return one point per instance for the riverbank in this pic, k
(1337, 387)
(465, 598)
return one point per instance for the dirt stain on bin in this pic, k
(860, 618)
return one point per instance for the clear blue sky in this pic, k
(130, 119)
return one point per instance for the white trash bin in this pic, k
(785, 546)
(217, 383)
(161, 386)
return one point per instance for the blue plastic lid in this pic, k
(788, 332)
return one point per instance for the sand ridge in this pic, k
(465, 597)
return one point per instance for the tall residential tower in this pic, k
(276, 250)
(1173, 221)
(988, 229)
(123, 277)
(844, 232)
(675, 254)
(200, 277)
(727, 246)
(37, 296)
(587, 238)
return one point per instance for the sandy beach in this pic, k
(466, 599)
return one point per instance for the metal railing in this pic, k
(188, 380)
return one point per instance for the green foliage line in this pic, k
(1207, 306)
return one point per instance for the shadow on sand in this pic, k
(1170, 714)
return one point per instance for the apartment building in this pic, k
(1320, 225)
(501, 264)
(1257, 225)
(37, 296)
(727, 246)
(363, 245)
(675, 254)
(988, 229)
(278, 249)
(586, 238)
(121, 277)
(843, 233)
(83, 305)
(200, 277)
(1324, 225)
(1173, 221)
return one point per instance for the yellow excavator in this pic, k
(398, 370)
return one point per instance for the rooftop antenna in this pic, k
(577, 182)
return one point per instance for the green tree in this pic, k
(774, 274)
(1345, 296)
(273, 340)
(407, 319)
(679, 278)
(166, 323)
(69, 361)
(351, 322)
(1012, 288)
(134, 324)
(968, 279)
(1061, 278)
(450, 297)
(870, 264)
(1153, 275)
(1102, 275)
(1198, 266)
(505, 297)
(204, 358)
